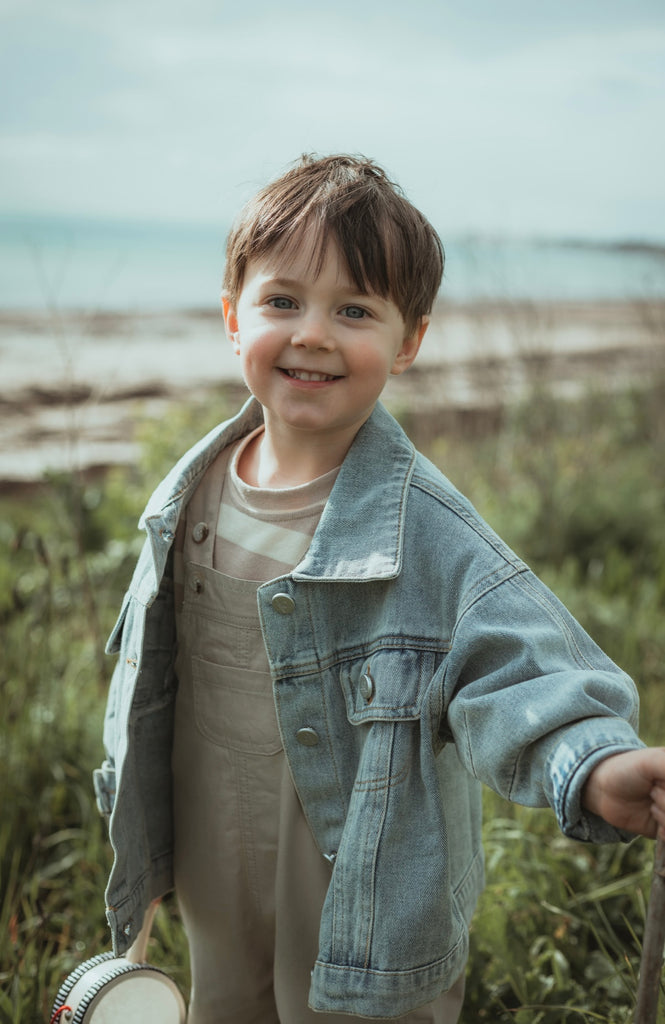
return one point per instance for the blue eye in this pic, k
(354, 312)
(281, 302)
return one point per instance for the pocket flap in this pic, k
(389, 684)
(115, 639)
(103, 780)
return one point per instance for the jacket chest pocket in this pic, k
(390, 700)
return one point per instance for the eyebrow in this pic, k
(292, 282)
(282, 282)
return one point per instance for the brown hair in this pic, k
(389, 247)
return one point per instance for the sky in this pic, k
(497, 117)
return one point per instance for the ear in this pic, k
(410, 347)
(231, 323)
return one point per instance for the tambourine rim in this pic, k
(77, 974)
(117, 971)
(118, 967)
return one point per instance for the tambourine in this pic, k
(107, 989)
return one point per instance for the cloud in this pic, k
(491, 117)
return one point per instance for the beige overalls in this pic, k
(249, 878)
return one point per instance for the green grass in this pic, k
(577, 488)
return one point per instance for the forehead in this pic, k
(307, 259)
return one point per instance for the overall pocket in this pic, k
(234, 708)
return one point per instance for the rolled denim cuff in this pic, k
(571, 765)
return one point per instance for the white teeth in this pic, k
(306, 375)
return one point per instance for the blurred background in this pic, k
(132, 133)
(531, 135)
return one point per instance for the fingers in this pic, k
(658, 807)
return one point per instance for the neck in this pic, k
(275, 461)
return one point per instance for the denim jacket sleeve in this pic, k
(534, 704)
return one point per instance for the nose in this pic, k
(313, 332)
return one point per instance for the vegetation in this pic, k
(577, 487)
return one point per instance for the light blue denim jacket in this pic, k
(426, 657)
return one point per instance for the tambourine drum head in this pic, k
(117, 990)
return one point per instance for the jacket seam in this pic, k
(342, 656)
(412, 972)
(471, 519)
(375, 854)
(555, 616)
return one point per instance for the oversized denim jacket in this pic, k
(426, 657)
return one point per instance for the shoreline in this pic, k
(74, 386)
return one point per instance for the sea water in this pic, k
(48, 263)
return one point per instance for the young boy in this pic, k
(325, 650)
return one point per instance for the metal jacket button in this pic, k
(366, 687)
(200, 532)
(283, 604)
(307, 736)
(196, 584)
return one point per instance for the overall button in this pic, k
(283, 604)
(307, 737)
(366, 687)
(200, 532)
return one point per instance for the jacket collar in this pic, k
(361, 532)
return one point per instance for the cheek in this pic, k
(257, 350)
(373, 363)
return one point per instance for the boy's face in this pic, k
(315, 352)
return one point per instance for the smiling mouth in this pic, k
(306, 375)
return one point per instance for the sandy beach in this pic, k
(73, 386)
